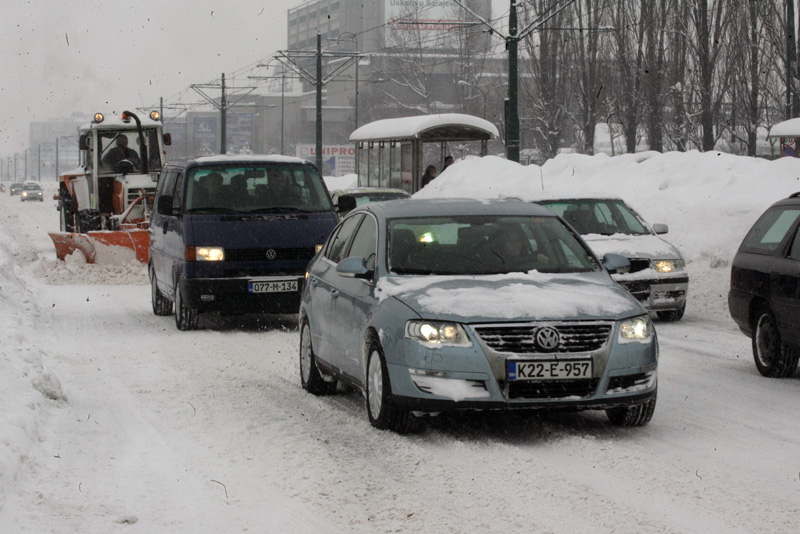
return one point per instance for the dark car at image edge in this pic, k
(764, 297)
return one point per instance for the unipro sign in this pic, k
(337, 160)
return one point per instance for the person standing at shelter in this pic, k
(447, 162)
(430, 174)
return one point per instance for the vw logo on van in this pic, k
(271, 254)
(547, 338)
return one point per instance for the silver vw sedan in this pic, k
(427, 306)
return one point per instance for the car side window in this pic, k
(770, 230)
(794, 251)
(365, 242)
(341, 238)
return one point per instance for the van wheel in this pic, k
(382, 412)
(773, 358)
(186, 318)
(161, 305)
(310, 377)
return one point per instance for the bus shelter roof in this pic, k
(787, 128)
(429, 128)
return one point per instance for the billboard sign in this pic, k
(204, 136)
(337, 160)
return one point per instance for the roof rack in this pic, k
(795, 195)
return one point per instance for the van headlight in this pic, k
(668, 266)
(437, 333)
(204, 254)
(636, 329)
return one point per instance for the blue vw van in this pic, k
(233, 234)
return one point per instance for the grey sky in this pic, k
(65, 56)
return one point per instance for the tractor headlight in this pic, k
(437, 333)
(636, 329)
(668, 266)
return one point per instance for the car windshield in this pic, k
(483, 244)
(31, 187)
(256, 188)
(598, 216)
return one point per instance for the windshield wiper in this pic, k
(213, 210)
(279, 209)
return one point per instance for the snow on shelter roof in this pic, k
(788, 128)
(441, 127)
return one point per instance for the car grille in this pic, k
(639, 264)
(260, 254)
(554, 389)
(520, 338)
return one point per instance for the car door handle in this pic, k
(313, 281)
(334, 291)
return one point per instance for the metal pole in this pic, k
(222, 141)
(56, 158)
(39, 166)
(283, 92)
(319, 102)
(357, 60)
(512, 128)
(790, 55)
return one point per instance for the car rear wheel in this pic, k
(627, 416)
(773, 358)
(310, 377)
(186, 318)
(672, 315)
(383, 413)
(161, 305)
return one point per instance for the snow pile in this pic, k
(348, 181)
(75, 271)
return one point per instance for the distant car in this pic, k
(427, 306)
(764, 298)
(2, 188)
(345, 200)
(15, 189)
(31, 191)
(658, 276)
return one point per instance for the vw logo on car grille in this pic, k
(547, 338)
(271, 254)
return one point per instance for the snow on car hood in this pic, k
(513, 296)
(632, 246)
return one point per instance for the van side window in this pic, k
(166, 185)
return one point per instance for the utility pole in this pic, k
(791, 53)
(223, 105)
(287, 57)
(319, 101)
(512, 44)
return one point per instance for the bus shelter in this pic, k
(389, 152)
(788, 133)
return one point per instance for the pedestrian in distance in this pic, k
(430, 174)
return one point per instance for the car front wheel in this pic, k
(773, 358)
(383, 414)
(186, 318)
(627, 416)
(310, 377)
(672, 315)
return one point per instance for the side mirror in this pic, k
(660, 228)
(354, 267)
(616, 263)
(164, 206)
(84, 142)
(346, 203)
(167, 139)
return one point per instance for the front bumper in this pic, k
(460, 378)
(658, 294)
(230, 295)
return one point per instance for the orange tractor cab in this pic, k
(106, 201)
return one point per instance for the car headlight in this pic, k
(636, 329)
(437, 333)
(24, 194)
(668, 266)
(204, 254)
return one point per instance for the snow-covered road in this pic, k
(155, 430)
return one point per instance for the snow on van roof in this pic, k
(788, 128)
(413, 127)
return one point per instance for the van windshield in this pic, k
(256, 188)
